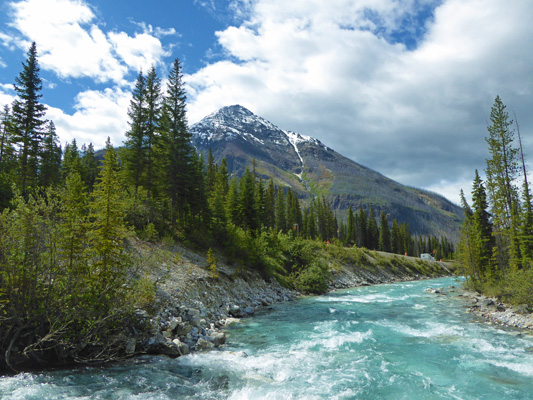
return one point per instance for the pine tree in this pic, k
(373, 230)
(28, 120)
(71, 160)
(270, 205)
(395, 244)
(247, 205)
(89, 166)
(350, 228)
(502, 170)
(362, 228)
(281, 212)
(178, 161)
(384, 233)
(526, 230)
(232, 202)
(133, 154)
(108, 230)
(51, 157)
(153, 128)
(7, 159)
(481, 224)
(502, 167)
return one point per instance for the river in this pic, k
(394, 341)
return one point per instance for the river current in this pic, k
(394, 341)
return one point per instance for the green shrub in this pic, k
(313, 279)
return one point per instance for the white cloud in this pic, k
(333, 70)
(7, 95)
(99, 114)
(71, 44)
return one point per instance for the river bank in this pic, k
(491, 310)
(195, 308)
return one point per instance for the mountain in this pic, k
(313, 169)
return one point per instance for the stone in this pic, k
(196, 321)
(183, 348)
(203, 345)
(249, 310)
(217, 338)
(235, 311)
(173, 323)
(182, 329)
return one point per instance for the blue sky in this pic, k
(402, 86)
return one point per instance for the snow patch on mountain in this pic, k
(294, 139)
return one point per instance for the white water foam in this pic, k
(525, 369)
(431, 329)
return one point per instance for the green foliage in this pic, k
(495, 248)
(212, 264)
(313, 279)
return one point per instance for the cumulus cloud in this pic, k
(72, 44)
(99, 114)
(344, 72)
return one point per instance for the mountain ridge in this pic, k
(313, 169)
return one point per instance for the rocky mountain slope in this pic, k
(313, 169)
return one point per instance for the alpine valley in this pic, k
(314, 170)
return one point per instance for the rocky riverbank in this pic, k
(491, 309)
(195, 308)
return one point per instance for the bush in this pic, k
(313, 279)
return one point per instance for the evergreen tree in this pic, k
(133, 154)
(526, 230)
(502, 170)
(232, 202)
(7, 159)
(294, 214)
(270, 205)
(71, 160)
(152, 128)
(384, 233)
(247, 205)
(178, 162)
(373, 230)
(89, 166)
(362, 228)
(395, 244)
(108, 229)
(28, 120)
(350, 228)
(281, 212)
(51, 157)
(481, 224)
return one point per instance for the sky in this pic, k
(403, 87)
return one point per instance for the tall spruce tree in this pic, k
(50, 172)
(502, 171)
(350, 228)
(28, 119)
(108, 229)
(502, 166)
(361, 228)
(384, 233)
(153, 129)
(373, 230)
(133, 154)
(177, 155)
(482, 224)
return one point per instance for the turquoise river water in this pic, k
(392, 341)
